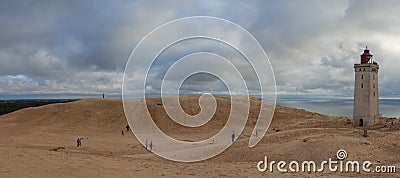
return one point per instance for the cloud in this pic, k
(83, 46)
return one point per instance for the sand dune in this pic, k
(40, 142)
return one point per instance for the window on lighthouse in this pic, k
(362, 76)
(362, 85)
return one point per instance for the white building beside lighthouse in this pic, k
(366, 98)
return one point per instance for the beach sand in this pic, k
(41, 142)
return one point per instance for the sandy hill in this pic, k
(41, 142)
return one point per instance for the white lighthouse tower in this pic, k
(366, 98)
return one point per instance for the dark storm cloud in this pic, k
(80, 33)
(83, 46)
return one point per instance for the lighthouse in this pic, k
(366, 98)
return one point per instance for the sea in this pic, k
(337, 106)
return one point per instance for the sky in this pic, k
(82, 47)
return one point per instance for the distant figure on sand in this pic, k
(78, 142)
(256, 132)
(127, 127)
(391, 126)
(146, 144)
(122, 132)
(233, 136)
(151, 145)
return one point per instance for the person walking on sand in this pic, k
(127, 127)
(233, 136)
(122, 132)
(151, 145)
(146, 144)
(78, 142)
(391, 126)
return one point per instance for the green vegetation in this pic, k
(9, 106)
